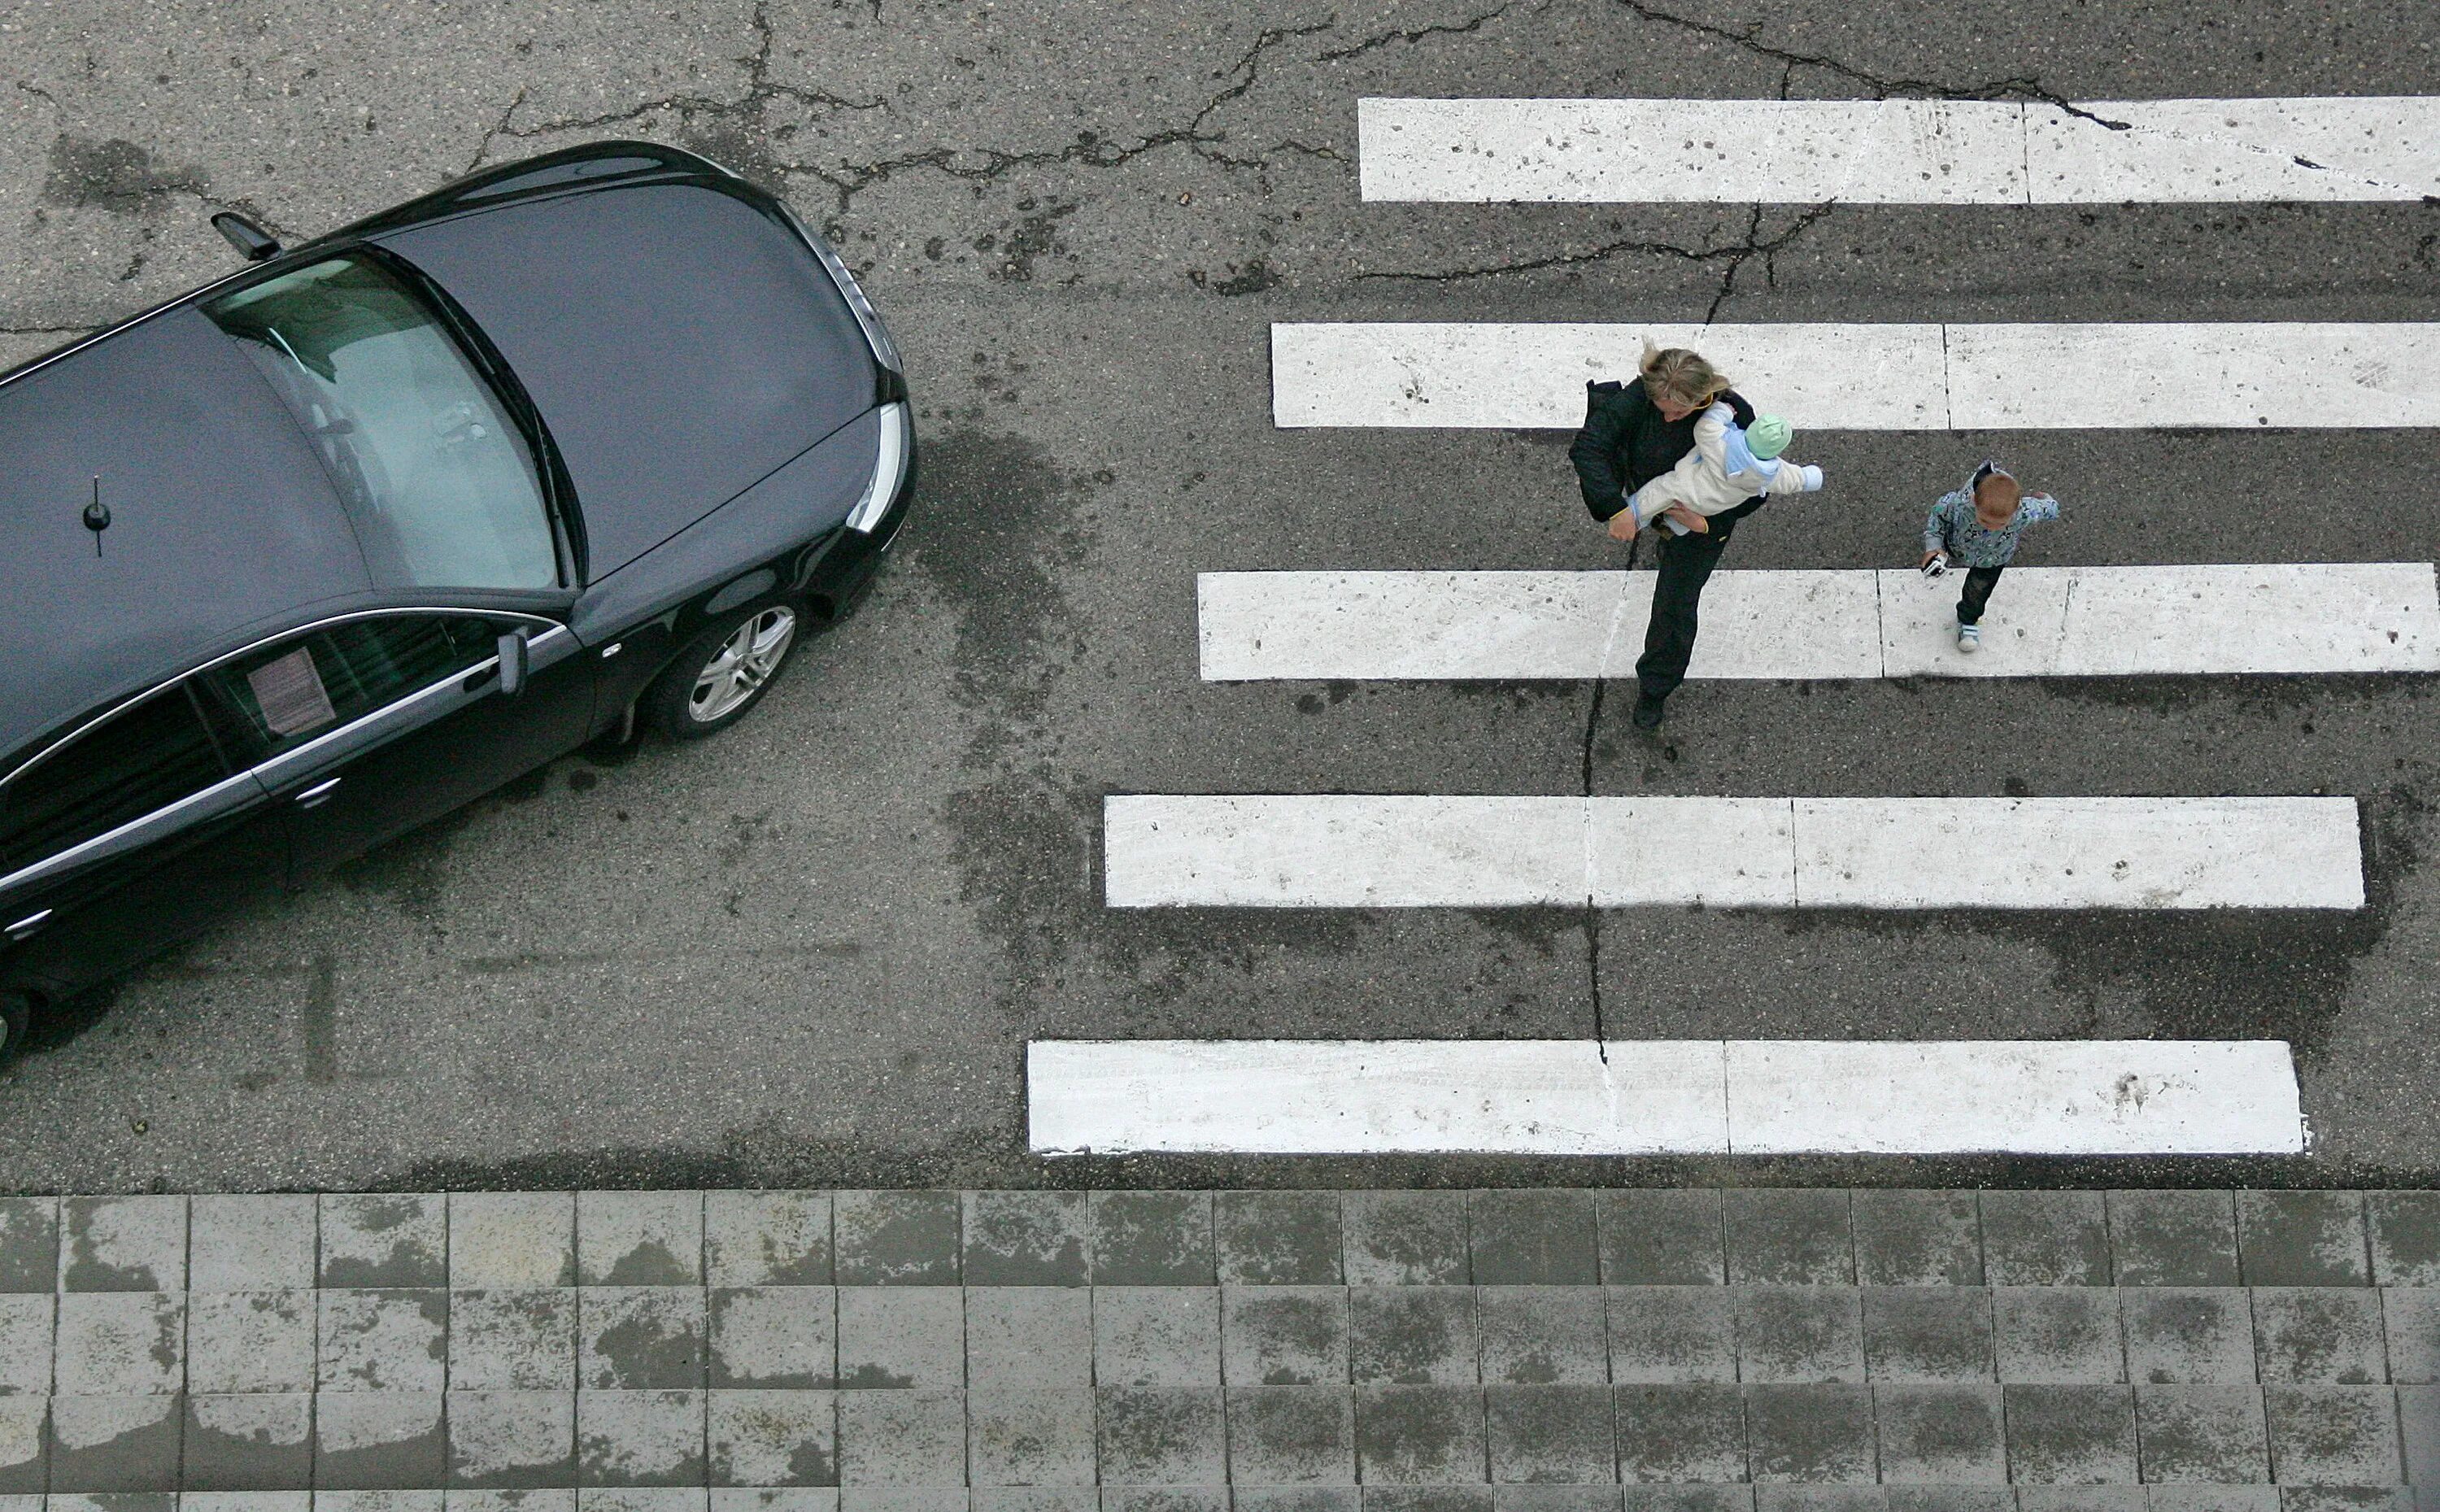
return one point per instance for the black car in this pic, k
(323, 550)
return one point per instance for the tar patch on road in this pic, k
(999, 531)
(114, 175)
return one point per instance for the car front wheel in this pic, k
(723, 672)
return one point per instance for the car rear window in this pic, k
(434, 474)
(142, 758)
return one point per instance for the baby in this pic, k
(1727, 466)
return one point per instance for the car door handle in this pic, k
(318, 794)
(28, 925)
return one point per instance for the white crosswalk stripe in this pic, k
(1349, 850)
(1899, 151)
(1872, 376)
(2286, 618)
(1648, 1097)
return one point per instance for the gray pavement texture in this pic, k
(810, 952)
(1748, 1350)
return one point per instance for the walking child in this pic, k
(1975, 527)
(1729, 463)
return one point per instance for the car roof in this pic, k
(221, 519)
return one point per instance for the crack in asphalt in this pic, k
(1088, 150)
(1734, 256)
(494, 132)
(1419, 33)
(761, 89)
(973, 164)
(2024, 87)
(2019, 87)
(1592, 910)
(1592, 729)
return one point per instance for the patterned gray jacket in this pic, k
(1953, 527)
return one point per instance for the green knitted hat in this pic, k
(1768, 436)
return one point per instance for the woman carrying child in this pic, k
(1633, 434)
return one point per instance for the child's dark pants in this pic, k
(1979, 584)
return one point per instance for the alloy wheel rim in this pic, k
(744, 663)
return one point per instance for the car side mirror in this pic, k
(516, 665)
(252, 242)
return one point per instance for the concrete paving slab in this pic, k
(1291, 1435)
(1406, 1239)
(386, 1239)
(1413, 1336)
(1917, 1238)
(1419, 1435)
(1671, 1334)
(1660, 1237)
(896, 1238)
(2057, 1335)
(639, 1238)
(1925, 1335)
(1033, 1436)
(768, 1238)
(1278, 1238)
(123, 1244)
(512, 1339)
(772, 1438)
(251, 1340)
(1025, 1239)
(382, 1441)
(894, 1337)
(639, 1337)
(1020, 1337)
(1543, 1335)
(251, 1243)
(1285, 1336)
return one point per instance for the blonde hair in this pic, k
(1999, 488)
(1680, 376)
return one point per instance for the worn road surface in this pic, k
(811, 952)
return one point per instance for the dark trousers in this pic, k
(1685, 565)
(1979, 584)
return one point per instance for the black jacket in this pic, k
(1625, 444)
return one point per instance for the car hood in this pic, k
(680, 342)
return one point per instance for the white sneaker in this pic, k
(1970, 638)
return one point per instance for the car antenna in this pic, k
(97, 515)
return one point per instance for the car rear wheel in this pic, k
(16, 1010)
(723, 673)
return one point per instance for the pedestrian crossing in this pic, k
(2081, 622)
(2073, 1097)
(1611, 1095)
(1412, 851)
(2226, 375)
(1899, 151)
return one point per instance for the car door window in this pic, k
(126, 764)
(279, 697)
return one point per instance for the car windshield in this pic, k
(439, 485)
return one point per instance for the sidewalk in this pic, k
(1766, 1350)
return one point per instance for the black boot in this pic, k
(1648, 711)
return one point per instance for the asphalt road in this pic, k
(810, 951)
